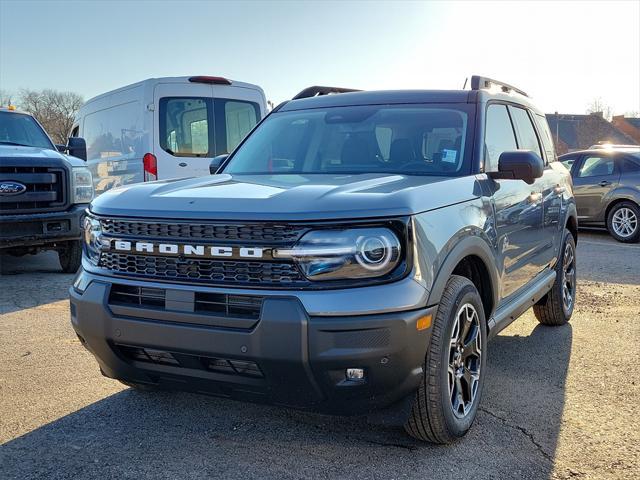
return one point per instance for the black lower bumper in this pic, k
(41, 229)
(286, 357)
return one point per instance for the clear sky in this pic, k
(564, 54)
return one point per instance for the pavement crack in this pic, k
(522, 430)
(411, 448)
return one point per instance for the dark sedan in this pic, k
(607, 189)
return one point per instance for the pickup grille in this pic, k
(278, 274)
(46, 189)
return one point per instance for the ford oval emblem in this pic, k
(12, 188)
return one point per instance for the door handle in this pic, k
(604, 183)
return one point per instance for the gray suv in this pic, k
(606, 183)
(355, 252)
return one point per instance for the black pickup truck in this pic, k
(43, 192)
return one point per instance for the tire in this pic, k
(70, 256)
(623, 222)
(554, 308)
(432, 416)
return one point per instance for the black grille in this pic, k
(209, 231)
(211, 271)
(229, 366)
(45, 189)
(219, 304)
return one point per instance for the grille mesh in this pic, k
(208, 231)
(211, 271)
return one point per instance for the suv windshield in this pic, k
(21, 129)
(405, 139)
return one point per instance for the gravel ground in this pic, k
(558, 402)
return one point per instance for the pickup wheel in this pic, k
(556, 307)
(623, 222)
(70, 256)
(447, 400)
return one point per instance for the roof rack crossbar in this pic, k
(317, 91)
(479, 83)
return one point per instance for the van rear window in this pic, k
(204, 127)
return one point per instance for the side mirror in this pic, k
(216, 162)
(77, 147)
(61, 148)
(519, 165)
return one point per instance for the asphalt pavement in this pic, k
(558, 402)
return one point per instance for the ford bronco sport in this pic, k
(356, 250)
(43, 193)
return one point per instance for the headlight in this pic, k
(345, 254)
(92, 239)
(81, 185)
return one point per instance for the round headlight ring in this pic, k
(374, 253)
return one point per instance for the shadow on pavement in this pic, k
(30, 281)
(178, 435)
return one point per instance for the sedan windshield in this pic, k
(404, 139)
(23, 130)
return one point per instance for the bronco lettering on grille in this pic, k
(186, 250)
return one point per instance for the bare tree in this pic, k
(53, 109)
(598, 105)
(6, 98)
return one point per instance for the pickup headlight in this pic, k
(81, 185)
(92, 239)
(345, 254)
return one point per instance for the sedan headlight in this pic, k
(81, 185)
(345, 254)
(92, 239)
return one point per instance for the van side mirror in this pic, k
(216, 162)
(77, 147)
(519, 165)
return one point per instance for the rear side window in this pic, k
(596, 167)
(545, 137)
(185, 126)
(499, 136)
(527, 138)
(115, 133)
(631, 165)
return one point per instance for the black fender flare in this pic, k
(472, 245)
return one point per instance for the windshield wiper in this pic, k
(14, 143)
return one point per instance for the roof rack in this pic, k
(479, 83)
(316, 91)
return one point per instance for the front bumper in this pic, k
(41, 229)
(296, 359)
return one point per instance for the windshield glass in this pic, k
(21, 129)
(405, 139)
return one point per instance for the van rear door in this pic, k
(183, 129)
(197, 121)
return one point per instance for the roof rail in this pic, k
(479, 83)
(316, 91)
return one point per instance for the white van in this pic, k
(165, 127)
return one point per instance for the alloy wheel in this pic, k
(568, 277)
(624, 222)
(465, 354)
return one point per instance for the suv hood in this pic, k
(285, 197)
(45, 154)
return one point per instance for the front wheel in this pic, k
(623, 222)
(447, 400)
(70, 256)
